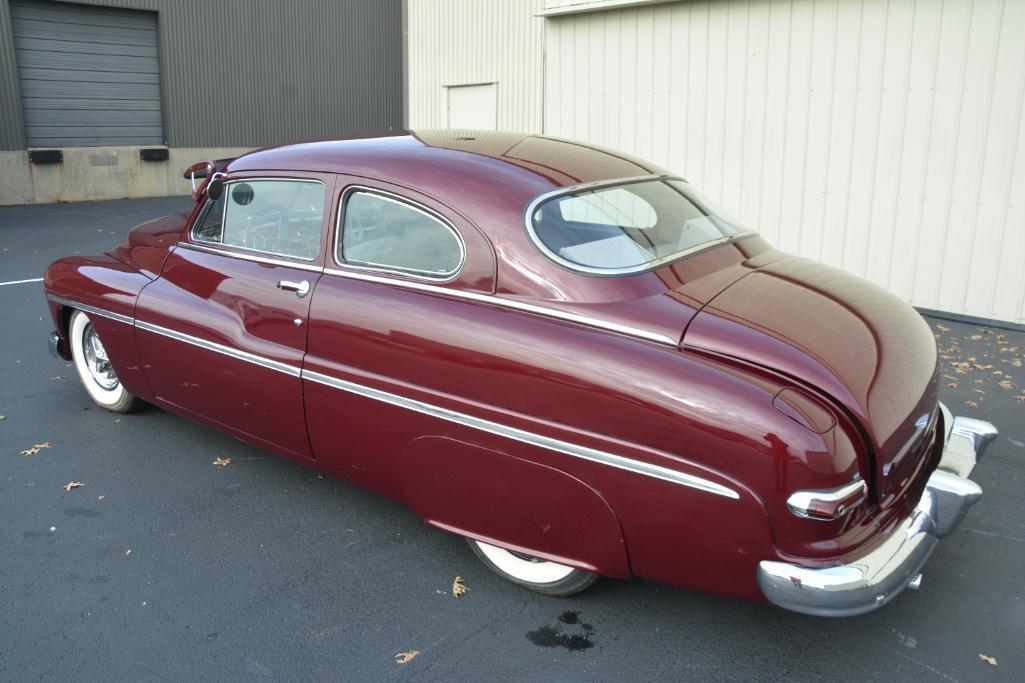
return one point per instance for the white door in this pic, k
(473, 106)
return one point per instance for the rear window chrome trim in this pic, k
(425, 275)
(614, 272)
(193, 239)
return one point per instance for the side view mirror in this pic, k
(199, 170)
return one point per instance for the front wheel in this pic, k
(542, 576)
(94, 368)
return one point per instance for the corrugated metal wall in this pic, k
(88, 75)
(468, 42)
(882, 137)
(238, 73)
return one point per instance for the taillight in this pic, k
(828, 504)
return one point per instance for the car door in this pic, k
(222, 332)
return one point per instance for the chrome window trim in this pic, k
(220, 348)
(192, 230)
(250, 257)
(613, 272)
(384, 268)
(523, 436)
(127, 320)
(548, 443)
(493, 300)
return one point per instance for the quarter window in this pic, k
(282, 217)
(381, 232)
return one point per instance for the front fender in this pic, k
(106, 290)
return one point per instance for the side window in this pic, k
(208, 228)
(282, 217)
(386, 233)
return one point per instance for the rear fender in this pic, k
(500, 499)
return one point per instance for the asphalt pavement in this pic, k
(163, 566)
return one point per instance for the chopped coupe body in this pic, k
(560, 352)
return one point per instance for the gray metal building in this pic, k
(100, 80)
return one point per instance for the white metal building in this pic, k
(881, 136)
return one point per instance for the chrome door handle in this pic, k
(301, 289)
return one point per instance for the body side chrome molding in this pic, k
(220, 348)
(493, 300)
(548, 443)
(127, 320)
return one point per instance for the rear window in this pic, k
(629, 227)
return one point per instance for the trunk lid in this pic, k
(872, 352)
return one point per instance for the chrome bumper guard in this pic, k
(873, 580)
(54, 340)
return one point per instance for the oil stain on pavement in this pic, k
(553, 636)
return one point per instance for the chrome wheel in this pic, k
(94, 367)
(96, 359)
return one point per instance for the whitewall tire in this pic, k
(542, 576)
(94, 368)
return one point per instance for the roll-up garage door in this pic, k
(89, 75)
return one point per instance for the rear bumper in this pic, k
(876, 578)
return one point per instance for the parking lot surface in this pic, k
(163, 566)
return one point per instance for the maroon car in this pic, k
(564, 354)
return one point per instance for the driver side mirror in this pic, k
(199, 170)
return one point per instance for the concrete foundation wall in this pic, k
(89, 173)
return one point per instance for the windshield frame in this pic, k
(645, 267)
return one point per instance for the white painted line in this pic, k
(21, 282)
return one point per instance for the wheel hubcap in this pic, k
(96, 360)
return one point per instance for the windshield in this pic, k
(629, 227)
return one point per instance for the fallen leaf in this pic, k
(459, 588)
(35, 448)
(403, 657)
(100, 497)
(952, 385)
(73, 485)
(222, 462)
(1005, 384)
(992, 661)
(976, 337)
(3, 417)
(1019, 398)
(973, 404)
(942, 328)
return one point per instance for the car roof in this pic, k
(488, 176)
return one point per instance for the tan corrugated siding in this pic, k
(882, 137)
(465, 42)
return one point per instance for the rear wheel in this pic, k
(94, 368)
(542, 576)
